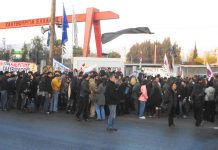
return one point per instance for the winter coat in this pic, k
(64, 86)
(4, 83)
(33, 88)
(179, 89)
(99, 94)
(121, 92)
(11, 85)
(198, 95)
(84, 89)
(156, 95)
(209, 94)
(215, 85)
(73, 85)
(78, 85)
(170, 99)
(92, 88)
(144, 95)
(56, 84)
(42, 84)
(18, 84)
(135, 90)
(111, 96)
(29, 87)
(48, 84)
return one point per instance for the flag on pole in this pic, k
(75, 29)
(107, 37)
(173, 51)
(140, 60)
(209, 71)
(65, 25)
(181, 72)
(48, 39)
(166, 63)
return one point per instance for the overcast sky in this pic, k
(184, 21)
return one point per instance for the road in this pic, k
(60, 131)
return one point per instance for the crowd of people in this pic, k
(95, 95)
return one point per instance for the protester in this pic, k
(100, 98)
(135, 90)
(84, 98)
(111, 98)
(92, 86)
(210, 104)
(55, 84)
(142, 100)
(72, 90)
(198, 100)
(156, 98)
(41, 92)
(48, 93)
(170, 101)
(64, 91)
(11, 91)
(3, 90)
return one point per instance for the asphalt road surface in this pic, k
(38, 131)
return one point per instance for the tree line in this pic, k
(145, 51)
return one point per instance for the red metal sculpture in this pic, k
(92, 17)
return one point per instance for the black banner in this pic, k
(107, 37)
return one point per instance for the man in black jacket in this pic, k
(3, 90)
(84, 98)
(40, 100)
(198, 100)
(48, 92)
(170, 99)
(112, 101)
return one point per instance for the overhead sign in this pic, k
(17, 66)
(58, 20)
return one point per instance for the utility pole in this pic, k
(52, 31)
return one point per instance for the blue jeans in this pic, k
(47, 102)
(142, 108)
(54, 102)
(112, 116)
(100, 112)
(4, 99)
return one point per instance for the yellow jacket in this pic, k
(56, 84)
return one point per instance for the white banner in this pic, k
(59, 66)
(17, 66)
